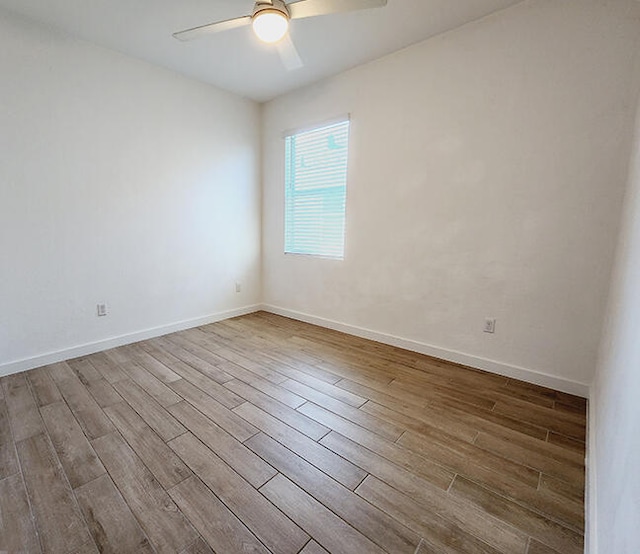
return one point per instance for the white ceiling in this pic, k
(236, 60)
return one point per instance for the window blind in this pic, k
(316, 163)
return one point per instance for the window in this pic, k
(316, 190)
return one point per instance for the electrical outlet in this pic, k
(238, 286)
(102, 310)
(489, 325)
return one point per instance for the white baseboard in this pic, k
(97, 346)
(591, 489)
(492, 366)
(477, 362)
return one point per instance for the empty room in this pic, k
(320, 276)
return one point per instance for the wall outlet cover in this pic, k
(489, 325)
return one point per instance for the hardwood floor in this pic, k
(263, 434)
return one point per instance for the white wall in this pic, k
(119, 182)
(487, 174)
(614, 457)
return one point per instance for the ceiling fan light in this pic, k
(270, 25)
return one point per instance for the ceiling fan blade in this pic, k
(289, 54)
(312, 8)
(212, 28)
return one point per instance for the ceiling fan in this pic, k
(270, 21)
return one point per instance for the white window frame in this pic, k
(303, 243)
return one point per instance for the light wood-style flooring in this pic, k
(263, 434)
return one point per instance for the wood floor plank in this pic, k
(211, 371)
(484, 420)
(540, 455)
(216, 412)
(166, 467)
(232, 359)
(382, 467)
(92, 419)
(213, 520)
(567, 442)
(340, 469)
(385, 428)
(163, 523)
(427, 548)
(425, 468)
(109, 369)
(538, 444)
(153, 366)
(444, 373)
(434, 391)
(76, 455)
(158, 390)
(17, 532)
(380, 396)
(530, 388)
(203, 346)
(233, 335)
(418, 421)
(260, 369)
(559, 422)
(432, 498)
(543, 529)
(335, 391)
(447, 536)
(569, 408)
(278, 410)
(268, 387)
(313, 548)
(196, 349)
(349, 361)
(59, 522)
(570, 490)
(468, 459)
(556, 500)
(268, 390)
(259, 351)
(303, 365)
(43, 388)
(322, 524)
(370, 521)
(341, 354)
(270, 525)
(387, 448)
(103, 393)
(113, 526)
(198, 547)
(538, 548)
(222, 394)
(161, 421)
(8, 460)
(497, 473)
(500, 393)
(88, 547)
(84, 370)
(23, 412)
(253, 468)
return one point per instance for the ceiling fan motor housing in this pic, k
(263, 6)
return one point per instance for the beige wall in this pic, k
(614, 454)
(488, 168)
(120, 182)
